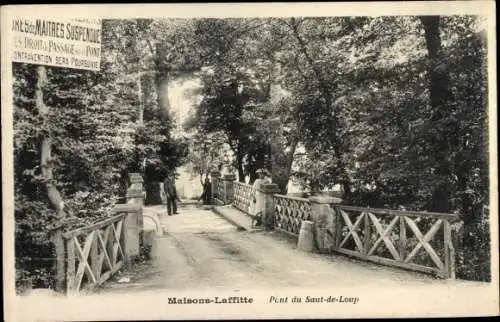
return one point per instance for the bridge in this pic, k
(301, 242)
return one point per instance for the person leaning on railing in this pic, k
(257, 201)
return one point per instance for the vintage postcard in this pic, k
(249, 161)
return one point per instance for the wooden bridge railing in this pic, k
(419, 241)
(289, 212)
(242, 196)
(89, 256)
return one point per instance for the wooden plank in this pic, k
(83, 266)
(114, 248)
(352, 230)
(118, 233)
(423, 241)
(389, 262)
(383, 236)
(104, 249)
(94, 256)
(368, 233)
(104, 277)
(101, 265)
(118, 230)
(108, 239)
(126, 208)
(390, 212)
(402, 237)
(446, 241)
(338, 228)
(452, 260)
(70, 272)
(278, 196)
(58, 242)
(88, 229)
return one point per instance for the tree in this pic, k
(205, 153)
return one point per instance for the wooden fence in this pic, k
(289, 212)
(242, 196)
(87, 257)
(419, 241)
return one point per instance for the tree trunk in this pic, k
(439, 96)
(140, 118)
(46, 146)
(239, 166)
(469, 214)
(161, 80)
(346, 191)
(162, 93)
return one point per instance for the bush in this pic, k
(474, 258)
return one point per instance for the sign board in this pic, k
(71, 43)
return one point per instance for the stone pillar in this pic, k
(306, 237)
(135, 196)
(134, 221)
(215, 177)
(324, 218)
(131, 231)
(267, 191)
(135, 178)
(228, 181)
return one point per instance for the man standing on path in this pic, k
(171, 196)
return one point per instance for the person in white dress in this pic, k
(257, 200)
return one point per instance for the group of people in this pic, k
(170, 197)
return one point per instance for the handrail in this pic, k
(90, 228)
(390, 212)
(291, 198)
(128, 207)
(243, 184)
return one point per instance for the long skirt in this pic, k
(258, 206)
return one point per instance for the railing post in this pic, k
(71, 266)
(324, 218)
(402, 238)
(215, 176)
(268, 190)
(135, 193)
(449, 252)
(59, 246)
(94, 257)
(133, 221)
(367, 231)
(228, 181)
